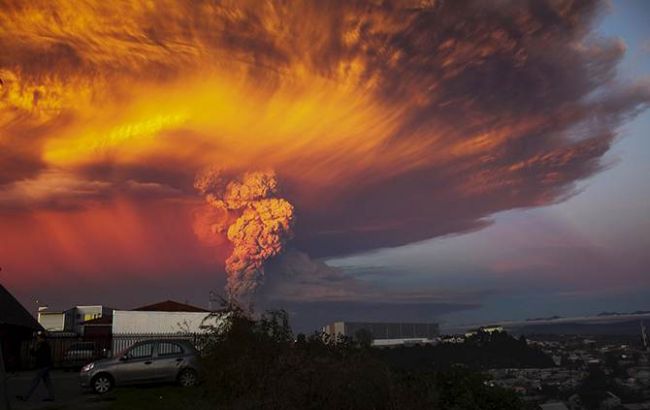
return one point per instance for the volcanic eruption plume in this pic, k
(259, 232)
(391, 122)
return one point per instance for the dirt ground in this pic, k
(68, 393)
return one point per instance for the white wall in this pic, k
(51, 321)
(77, 315)
(127, 321)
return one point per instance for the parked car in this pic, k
(79, 354)
(151, 361)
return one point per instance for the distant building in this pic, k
(492, 329)
(163, 319)
(81, 314)
(16, 325)
(452, 339)
(387, 334)
(485, 329)
(52, 321)
(71, 320)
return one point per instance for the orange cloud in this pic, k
(386, 122)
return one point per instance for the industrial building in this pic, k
(385, 333)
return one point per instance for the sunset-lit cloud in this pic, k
(386, 123)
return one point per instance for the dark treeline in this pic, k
(482, 351)
(259, 364)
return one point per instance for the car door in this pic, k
(168, 360)
(136, 366)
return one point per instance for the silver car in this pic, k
(81, 353)
(151, 361)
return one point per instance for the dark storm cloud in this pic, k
(467, 108)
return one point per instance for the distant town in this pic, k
(552, 363)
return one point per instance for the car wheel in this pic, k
(102, 383)
(188, 378)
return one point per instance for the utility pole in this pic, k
(644, 336)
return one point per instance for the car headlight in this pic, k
(88, 367)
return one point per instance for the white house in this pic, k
(162, 319)
(81, 314)
(52, 321)
(137, 322)
(70, 320)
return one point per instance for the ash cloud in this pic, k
(259, 230)
(389, 122)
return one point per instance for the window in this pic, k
(169, 349)
(141, 351)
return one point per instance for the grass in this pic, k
(158, 398)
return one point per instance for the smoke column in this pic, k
(263, 225)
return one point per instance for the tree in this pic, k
(363, 337)
(257, 363)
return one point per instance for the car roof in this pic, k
(177, 341)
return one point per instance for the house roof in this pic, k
(170, 306)
(13, 313)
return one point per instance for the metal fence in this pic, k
(122, 342)
(71, 351)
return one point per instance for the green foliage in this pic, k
(363, 337)
(593, 388)
(255, 363)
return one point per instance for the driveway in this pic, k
(67, 391)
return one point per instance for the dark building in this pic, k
(385, 332)
(16, 326)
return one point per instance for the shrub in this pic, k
(256, 363)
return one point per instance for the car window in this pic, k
(169, 349)
(141, 351)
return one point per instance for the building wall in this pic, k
(144, 325)
(385, 330)
(127, 321)
(79, 314)
(52, 321)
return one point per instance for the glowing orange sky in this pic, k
(386, 123)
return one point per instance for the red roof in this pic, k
(170, 306)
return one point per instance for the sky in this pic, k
(458, 162)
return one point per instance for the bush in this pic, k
(257, 363)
